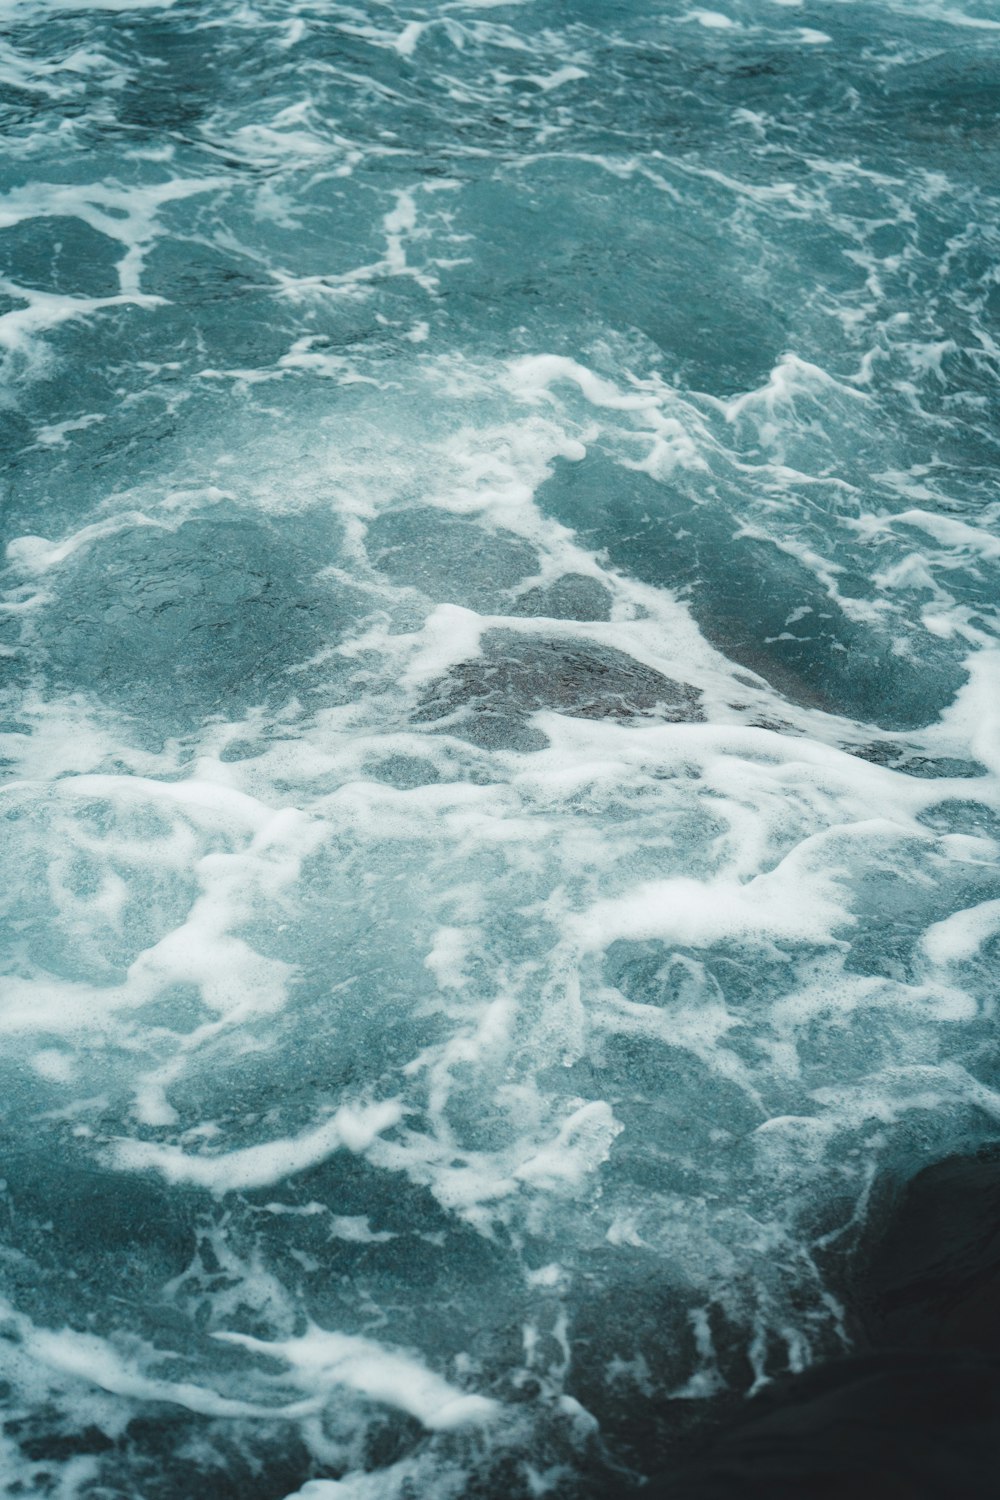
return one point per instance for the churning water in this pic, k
(502, 718)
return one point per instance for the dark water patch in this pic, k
(60, 255)
(759, 605)
(176, 625)
(571, 597)
(631, 1342)
(449, 558)
(932, 1280)
(717, 332)
(174, 83)
(916, 1413)
(899, 758)
(907, 1426)
(958, 815)
(173, 1455)
(90, 1247)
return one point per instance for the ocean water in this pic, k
(501, 719)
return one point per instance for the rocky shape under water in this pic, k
(896, 1425)
(933, 1280)
(488, 700)
(916, 1415)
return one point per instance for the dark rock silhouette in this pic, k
(488, 700)
(891, 1426)
(570, 597)
(917, 1417)
(933, 1280)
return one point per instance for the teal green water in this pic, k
(501, 724)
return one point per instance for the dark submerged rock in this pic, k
(917, 1416)
(893, 1426)
(488, 700)
(899, 758)
(933, 1279)
(744, 593)
(571, 597)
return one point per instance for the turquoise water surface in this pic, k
(501, 727)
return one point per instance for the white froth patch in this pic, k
(498, 468)
(86, 1357)
(950, 532)
(384, 1484)
(582, 1145)
(21, 328)
(321, 1363)
(771, 407)
(673, 430)
(126, 214)
(234, 981)
(54, 435)
(531, 377)
(961, 936)
(450, 635)
(712, 20)
(351, 1128)
(971, 723)
(150, 1104)
(399, 223)
(112, 5)
(549, 81)
(781, 906)
(54, 1066)
(36, 554)
(447, 957)
(356, 1230)
(406, 42)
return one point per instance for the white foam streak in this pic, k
(351, 1128)
(321, 1361)
(777, 907)
(582, 1144)
(87, 1358)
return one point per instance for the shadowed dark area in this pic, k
(918, 1417)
